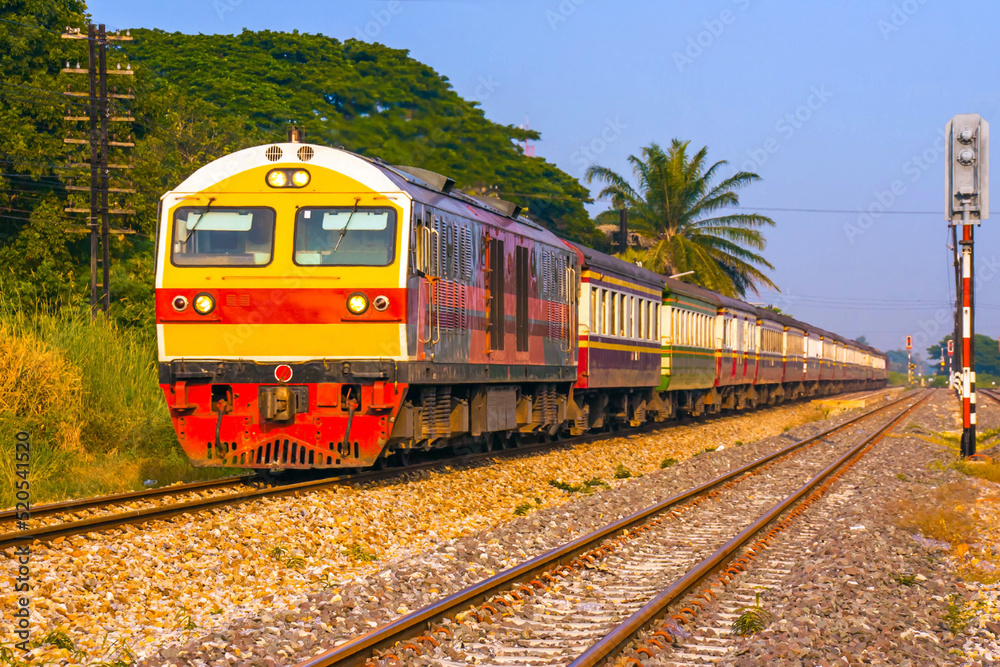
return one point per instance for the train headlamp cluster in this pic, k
(204, 303)
(288, 178)
(357, 303)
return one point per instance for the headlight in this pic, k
(277, 178)
(357, 303)
(300, 178)
(204, 304)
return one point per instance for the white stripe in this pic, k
(966, 323)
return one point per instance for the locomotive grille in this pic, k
(273, 153)
(451, 304)
(436, 411)
(305, 153)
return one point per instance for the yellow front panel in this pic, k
(369, 340)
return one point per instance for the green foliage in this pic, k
(522, 509)
(987, 358)
(183, 620)
(587, 487)
(905, 579)
(356, 552)
(751, 619)
(678, 205)
(958, 613)
(667, 462)
(621, 472)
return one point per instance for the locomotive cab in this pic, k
(281, 308)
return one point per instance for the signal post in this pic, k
(966, 205)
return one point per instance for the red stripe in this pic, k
(280, 306)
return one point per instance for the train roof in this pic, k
(681, 287)
(608, 264)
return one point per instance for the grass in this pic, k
(751, 619)
(667, 462)
(357, 553)
(587, 487)
(984, 469)
(522, 509)
(87, 393)
(621, 472)
(958, 613)
(905, 579)
(941, 514)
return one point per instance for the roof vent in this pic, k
(305, 153)
(510, 209)
(273, 153)
(442, 184)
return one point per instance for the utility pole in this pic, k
(966, 205)
(623, 229)
(909, 360)
(98, 117)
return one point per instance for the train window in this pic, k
(604, 311)
(347, 236)
(621, 315)
(593, 310)
(221, 236)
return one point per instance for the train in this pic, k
(317, 308)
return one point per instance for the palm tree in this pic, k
(677, 206)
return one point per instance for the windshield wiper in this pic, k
(200, 216)
(357, 200)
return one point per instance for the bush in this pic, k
(88, 394)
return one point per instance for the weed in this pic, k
(959, 613)
(738, 443)
(565, 486)
(63, 641)
(752, 619)
(667, 462)
(902, 478)
(325, 583)
(356, 552)
(216, 611)
(295, 562)
(183, 620)
(596, 482)
(621, 472)
(8, 658)
(941, 514)
(984, 469)
(905, 579)
(586, 487)
(538, 501)
(786, 429)
(277, 553)
(522, 509)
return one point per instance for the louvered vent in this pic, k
(273, 153)
(305, 153)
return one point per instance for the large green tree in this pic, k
(678, 205)
(987, 355)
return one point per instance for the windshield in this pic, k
(345, 236)
(208, 236)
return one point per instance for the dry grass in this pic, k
(88, 395)
(944, 514)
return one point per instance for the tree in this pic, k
(987, 354)
(678, 205)
(862, 339)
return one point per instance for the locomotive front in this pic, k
(281, 308)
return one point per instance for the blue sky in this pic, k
(833, 104)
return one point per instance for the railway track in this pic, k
(587, 599)
(207, 498)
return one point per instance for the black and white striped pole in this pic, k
(967, 205)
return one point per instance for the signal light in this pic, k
(909, 342)
(951, 346)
